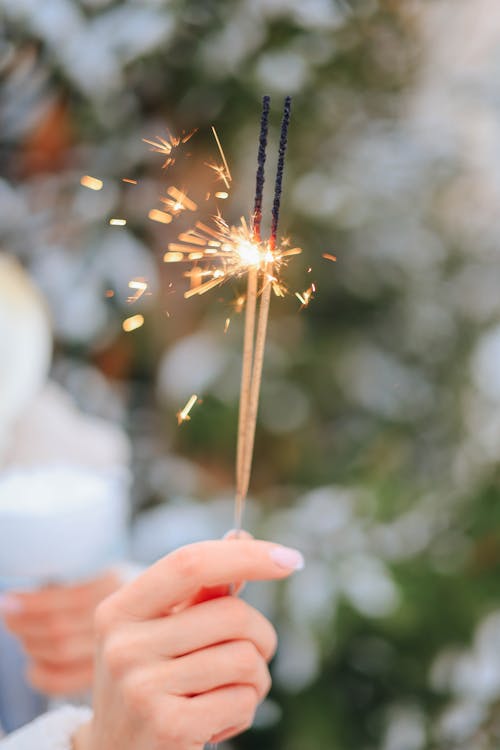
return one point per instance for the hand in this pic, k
(55, 628)
(176, 668)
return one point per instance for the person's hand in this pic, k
(55, 628)
(176, 668)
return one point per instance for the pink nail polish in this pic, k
(285, 557)
(9, 604)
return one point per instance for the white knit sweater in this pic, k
(52, 731)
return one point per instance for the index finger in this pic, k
(181, 574)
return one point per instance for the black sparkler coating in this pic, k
(261, 160)
(279, 171)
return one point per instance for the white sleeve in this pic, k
(52, 731)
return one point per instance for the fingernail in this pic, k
(237, 534)
(288, 558)
(9, 604)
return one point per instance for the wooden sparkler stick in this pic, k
(253, 404)
(260, 342)
(250, 313)
(246, 378)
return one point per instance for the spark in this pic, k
(118, 222)
(132, 323)
(306, 296)
(220, 171)
(166, 146)
(227, 324)
(173, 257)
(226, 252)
(160, 216)
(92, 183)
(140, 286)
(225, 173)
(183, 414)
(239, 303)
(178, 201)
(222, 195)
(328, 256)
(130, 182)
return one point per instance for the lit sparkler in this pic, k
(219, 252)
(227, 252)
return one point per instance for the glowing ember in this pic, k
(130, 182)
(109, 293)
(328, 256)
(227, 252)
(132, 323)
(239, 303)
(222, 171)
(306, 296)
(222, 195)
(183, 414)
(178, 201)
(173, 257)
(118, 222)
(92, 183)
(166, 146)
(161, 216)
(140, 286)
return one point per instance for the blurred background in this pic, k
(379, 429)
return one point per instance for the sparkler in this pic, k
(220, 252)
(249, 413)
